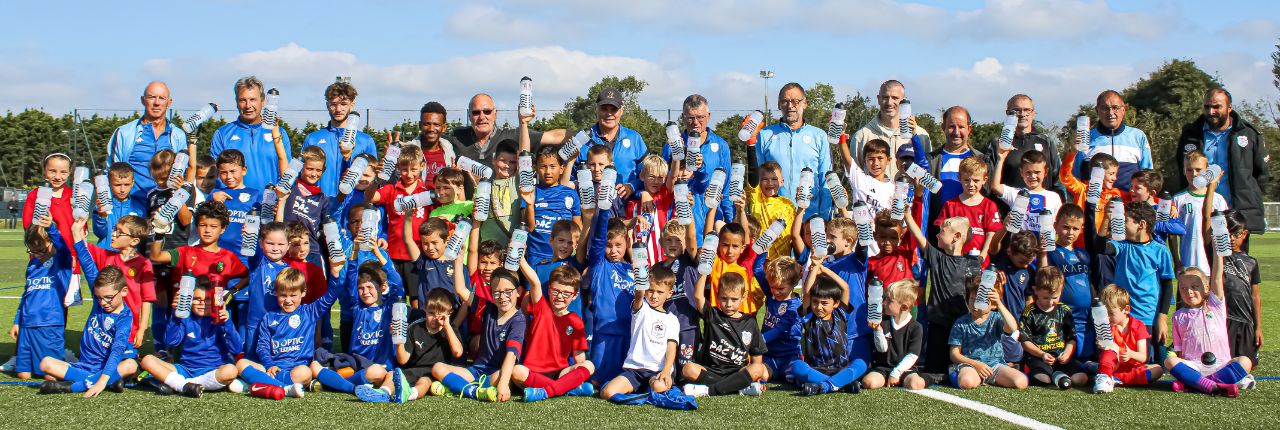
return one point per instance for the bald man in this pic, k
(135, 142)
(479, 140)
(885, 127)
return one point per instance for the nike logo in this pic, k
(257, 389)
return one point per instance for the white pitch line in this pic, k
(985, 409)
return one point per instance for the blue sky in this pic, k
(401, 54)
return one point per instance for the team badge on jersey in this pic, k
(217, 268)
(377, 317)
(568, 331)
(1242, 141)
(294, 321)
(658, 330)
(746, 338)
(626, 143)
(132, 272)
(244, 197)
(715, 146)
(108, 322)
(807, 139)
(266, 137)
(568, 201)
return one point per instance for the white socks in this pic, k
(175, 381)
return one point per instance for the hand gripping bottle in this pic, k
(290, 176)
(904, 125)
(818, 236)
(715, 188)
(1221, 236)
(81, 199)
(1094, 192)
(102, 185)
(926, 179)
(178, 171)
(268, 207)
(1116, 209)
(693, 152)
(475, 167)
(1007, 132)
(570, 150)
(862, 219)
(1018, 212)
(370, 219)
(353, 174)
(525, 106)
(901, 189)
(414, 201)
(608, 188)
(453, 247)
(271, 110)
(737, 179)
(331, 241)
(839, 196)
(349, 130)
(1048, 236)
(389, 160)
(1206, 176)
(586, 189)
(1082, 133)
(44, 196)
(751, 125)
(193, 122)
(675, 142)
(484, 199)
(983, 299)
(528, 179)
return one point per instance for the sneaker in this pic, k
(193, 390)
(266, 391)
(854, 387)
(487, 394)
(534, 395)
(9, 366)
(695, 390)
(314, 386)
(584, 390)
(116, 387)
(55, 387)
(402, 387)
(1061, 380)
(237, 386)
(438, 389)
(165, 390)
(1103, 384)
(755, 389)
(1247, 383)
(1227, 390)
(294, 390)
(372, 395)
(811, 389)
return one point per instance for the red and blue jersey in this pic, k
(497, 337)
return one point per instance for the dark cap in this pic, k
(906, 151)
(609, 96)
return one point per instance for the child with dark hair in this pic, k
(828, 365)
(976, 352)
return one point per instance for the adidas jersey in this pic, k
(205, 345)
(334, 164)
(287, 339)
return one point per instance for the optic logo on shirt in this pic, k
(746, 337)
(294, 321)
(234, 138)
(626, 143)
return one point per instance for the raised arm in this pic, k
(700, 293)
(410, 244)
(460, 284)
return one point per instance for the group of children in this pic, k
(551, 278)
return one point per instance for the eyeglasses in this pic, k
(1019, 112)
(478, 112)
(697, 118)
(121, 233)
(504, 293)
(792, 102)
(108, 299)
(561, 294)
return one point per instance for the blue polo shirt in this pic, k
(1215, 149)
(628, 150)
(795, 149)
(262, 166)
(715, 154)
(335, 166)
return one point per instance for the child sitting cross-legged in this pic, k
(976, 354)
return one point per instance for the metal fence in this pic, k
(1271, 214)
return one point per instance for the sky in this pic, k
(400, 54)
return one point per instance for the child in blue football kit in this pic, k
(123, 202)
(106, 353)
(430, 267)
(307, 204)
(39, 325)
(259, 291)
(286, 339)
(609, 289)
(782, 326)
(501, 343)
(549, 202)
(1074, 263)
(1144, 268)
(377, 288)
(209, 344)
(828, 366)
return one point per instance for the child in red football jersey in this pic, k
(555, 335)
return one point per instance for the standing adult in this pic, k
(1233, 144)
(945, 161)
(628, 147)
(340, 101)
(437, 151)
(263, 156)
(885, 127)
(1128, 145)
(696, 117)
(479, 140)
(795, 145)
(135, 142)
(1028, 138)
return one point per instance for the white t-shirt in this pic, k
(1042, 199)
(1190, 211)
(650, 332)
(871, 190)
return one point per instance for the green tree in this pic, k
(580, 112)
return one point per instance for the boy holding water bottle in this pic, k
(451, 198)
(1190, 206)
(609, 288)
(123, 202)
(976, 352)
(1033, 171)
(307, 203)
(430, 340)
(378, 289)
(1122, 360)
(1104, 167)
(1048, 334)
(550, 201)
(205, 258)
(430, 268)
(555, 361)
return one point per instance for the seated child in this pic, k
(1048, 334)
(378, 286)
(209, 344)
(39, 325)
(555, 362)
(501, 343)
(896, 365)
(828, 365)
(730, 356)
(651, 356)
(1123, 361)
(976, 352)
(286, 339)
(106, 354)
(1202, 361)
(431, 340)
(781, 327)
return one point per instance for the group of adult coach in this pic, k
(1227, 140)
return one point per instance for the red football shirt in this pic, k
(434, 163)
(137, 275)
(984, 219)
(395, 221)
(552, 339)
(217, 266)
(890, 268)
(60, 211)
(317, 282)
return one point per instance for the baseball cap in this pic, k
(906, 151)
(609, 96)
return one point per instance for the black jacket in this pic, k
(1011, 174)
(1247, 167)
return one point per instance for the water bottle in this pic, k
(515, 249)
(453, 247)
(904, 126)
(103, 187)
(399, 323)
(751, 125)
(640, 266)
(804, 189)
(1101, 324)
(526, 96)
(1082, 133)
(349, 131)
(285, 184)
(839, 196)
(1116, 209)
(81, 174)
(901, 190)
(765, 240)
(1018, 212)
(353, 174)
(81, 199)
(528, 179)
(1164, 210)
(737, 179)
(369, 223)
(926, 179)
(480, 170)
(1048, 236)
(332, 242)
(570, 150)
(715, 188)
(1007, 132)
(684, 210)
(414, 201)
(862, 219)
(984, 290)
(608, 188)
(675, 143)
(268, 206)
(693, 151)
(178, 171)
(875, 300)
(219, 302)
(164, 215)
(707, 255)
(1206, 176)
(835, 127)
(249, 234)
(1094, 193)
(586, 189)
(818, 236)
(484, 197)
(193, 122)
(186, 291)
(1221, 236)
(271, 109)
(389, 161)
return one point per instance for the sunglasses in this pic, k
(477, 112)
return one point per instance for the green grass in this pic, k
(1155, 407)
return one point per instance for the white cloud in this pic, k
(476, 22)
(1059, 19)
(1252, 30)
